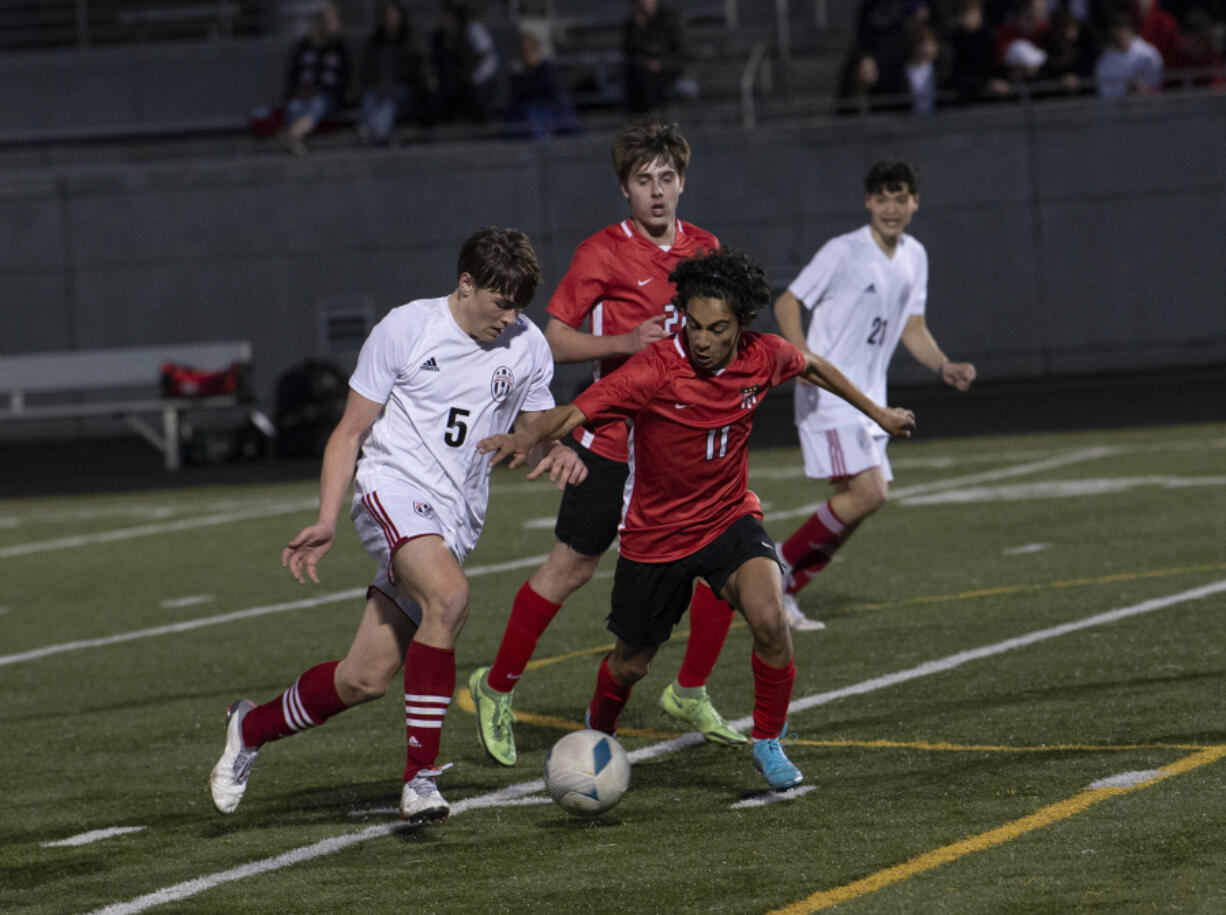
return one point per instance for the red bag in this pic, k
(184, 381)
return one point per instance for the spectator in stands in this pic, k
(393, 76)
(465, 64)
(1198, 55)
(653, 42)
(1019, 43)
(881, 31)
(1156, 26)
(1071, 52)
(857, 83)
(538, 105)
(972, 75)
(1129, 64)
(318, 78)
(920, 68)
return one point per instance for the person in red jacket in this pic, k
(1158, 27)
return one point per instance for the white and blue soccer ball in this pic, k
(587, 772)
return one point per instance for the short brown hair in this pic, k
(501, 260)
(641, 143)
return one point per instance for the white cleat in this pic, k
(420, 801)
(228, 782)
(797, 620)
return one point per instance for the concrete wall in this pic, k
(1078, 237)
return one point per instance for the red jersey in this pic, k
(616, 281)
(689, 439)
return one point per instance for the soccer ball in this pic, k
(587, 772)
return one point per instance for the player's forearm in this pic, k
(920, 343)
(787, 314)
(550, 425)
(824, 374)
(336, 476)
(570, 345)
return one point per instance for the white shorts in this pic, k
(386, 519)
(834, 454)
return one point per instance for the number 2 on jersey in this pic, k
(673, 319)
(457, 429)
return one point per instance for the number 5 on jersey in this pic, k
(457, 429)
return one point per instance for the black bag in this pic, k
(310, 400)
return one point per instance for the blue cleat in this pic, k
(773, 763)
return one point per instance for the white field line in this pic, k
(987, 651)
(279, 508)
(150, 530)
(1060, 489)
(333, 597)
(513, 793)
(94, 835)
(986, 476)
(765, 798)
(1126, 779)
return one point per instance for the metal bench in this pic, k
(123, 383)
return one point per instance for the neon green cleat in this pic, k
(693, 706)
(494, 718)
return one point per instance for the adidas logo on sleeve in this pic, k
(430, 365)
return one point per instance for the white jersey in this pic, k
(860, 301)
(442, 393)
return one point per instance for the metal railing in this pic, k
(26, 25)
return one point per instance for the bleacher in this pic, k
(163, 70)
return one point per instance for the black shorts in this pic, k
(592, 510)
(650, 597)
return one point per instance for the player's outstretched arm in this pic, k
(568, 344)
(822, 372)
(918, 340)
(303, 552)
(530, 429)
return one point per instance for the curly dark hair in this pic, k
(724, 274)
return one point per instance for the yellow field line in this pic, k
(1045, 816)
(923, 599)
(1021, 589)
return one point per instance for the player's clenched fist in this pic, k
(898, 421)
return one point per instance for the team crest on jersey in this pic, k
(501, 383)
(749, 396)
(425, 509)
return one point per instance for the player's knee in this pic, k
(449, 608)
(355, 686)
(566, 571)
(629, 669)
(771, 635)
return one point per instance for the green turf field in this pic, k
(1018, 707)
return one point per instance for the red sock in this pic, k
(809, 549)
(531, 614)
(610, 698)
(429, 682)
(710, 619)
(310, 702)
(772, 691)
